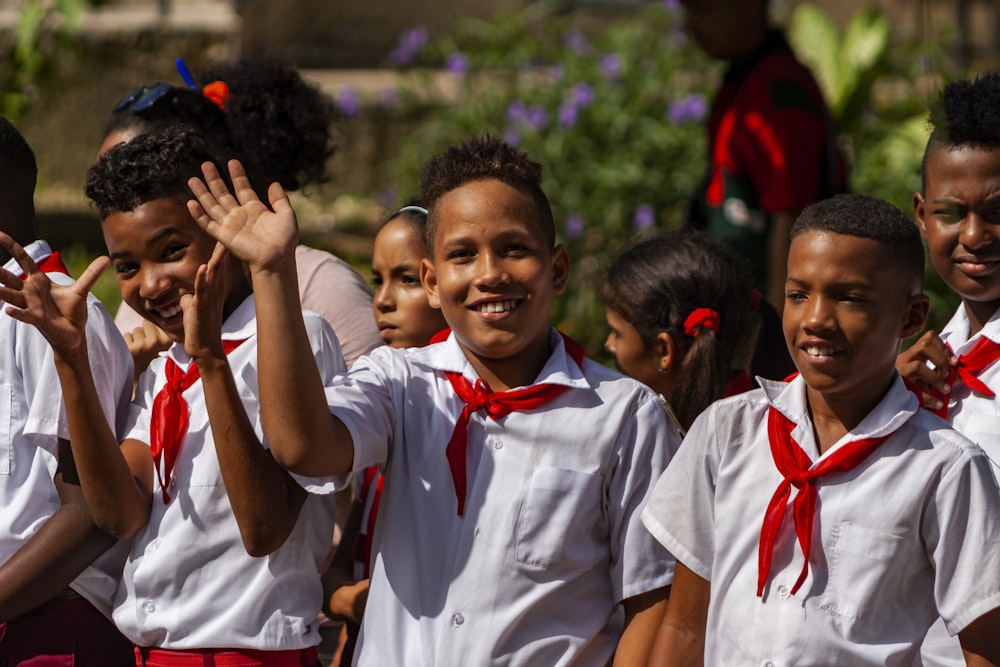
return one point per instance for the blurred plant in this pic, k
(43, 27)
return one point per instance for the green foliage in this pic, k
(43, 27)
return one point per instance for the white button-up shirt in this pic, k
(550, 541)
(909, 534)
(189, 582)
(33, 419)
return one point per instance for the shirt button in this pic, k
(149, 606)
(457, 620)
(479, 531)
(768, 664)
(782, 592)
(156, 544)
(497, 443)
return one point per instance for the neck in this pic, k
(520, 370)
(979, 313)
(834, 416)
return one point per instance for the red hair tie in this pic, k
(218, 92)
(701, 317)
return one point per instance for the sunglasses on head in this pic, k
(144, 98)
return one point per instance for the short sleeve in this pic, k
(680, 513)
(961, 530)
(647, 442)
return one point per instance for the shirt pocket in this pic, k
(865, 567)
(6, 427)
(558, 525)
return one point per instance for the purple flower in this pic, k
(516, 112)
(457, 63)
(672, 6)
(556, 73)
(568, 113)
(611, 66)
(582, 94)
(690, 109)
(574, 226)
(644, 217)
(389, 98)
(348, 102)
(512, 136)
(410, 43)
(536, 117)
(576, 42)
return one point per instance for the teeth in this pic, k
(817, 351)
(167, 313)
(496, 306)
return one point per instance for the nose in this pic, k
(154, 281)
(491, 271)
(819, 315)
(976, 232)
(384, 300)
(609, 347)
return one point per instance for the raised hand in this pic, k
(912, 365)
(203, 309)
(145, 342)
(263, 237)
(58, 311)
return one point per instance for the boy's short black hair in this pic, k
(484, 158)
(966, 113)
(149, 167)
(18, 173)
(870, 218)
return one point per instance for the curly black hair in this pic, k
(870, 218)
(276, 123)
(657, 282)
(966, 113)
(484, 158)
(149, 167)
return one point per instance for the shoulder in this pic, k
(926, 431)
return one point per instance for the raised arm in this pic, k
(265, 499)
(912, 365)
(117, 483)
(301, 433)
(680, 641)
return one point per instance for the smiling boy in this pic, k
(832, 519)
(508, 531)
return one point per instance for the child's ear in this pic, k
(918, 307)
(560, 268)
(666, 352)
(429, 280)
(918, 212)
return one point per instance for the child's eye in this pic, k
(377, 281)
(795, 297)
(125, 268)
(173, 249)
(460, 255)
(517, 249)
(412, 281)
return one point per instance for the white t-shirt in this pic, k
(907, 535)
(189, 582)
(33, 419)
(550, 542)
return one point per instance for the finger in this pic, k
(279, 199)
(925, 377)
(10, 280)
(201, 283)
(15, 297)
(89, 277)
(241, 183)
(219, 254)
(15, 250)
(218, 187)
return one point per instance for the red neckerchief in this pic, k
(496, 404)
(51, 264)
(982, 355)
(168, 423)
(363, 544)
(794, 466)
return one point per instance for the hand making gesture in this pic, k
(58, 311)
(932, 380)
(203, 309)
(264, 238)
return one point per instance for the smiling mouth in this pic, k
(819, 351)
(167, 312)
(974, 266)
(496, 306)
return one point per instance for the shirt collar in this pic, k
(240, 325)
(956, 332)
(789, 398)
(560, 368)
(37, 251)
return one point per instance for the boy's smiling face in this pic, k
(959, 216)
(155, 252)
(493, 274)
(847, 306)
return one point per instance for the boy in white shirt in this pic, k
(830, 520)
(224, 563)
(958, 211)
(55, 598)
(508, 530)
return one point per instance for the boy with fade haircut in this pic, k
(57, 574)
(958, 212)
(223, 567)
(515, 468)
(831, 519)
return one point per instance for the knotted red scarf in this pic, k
(794, 466)
(982, 355)
(168, 422)
(51, 264)
(497, 405)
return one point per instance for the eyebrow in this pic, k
(166, 231)
(845, 284)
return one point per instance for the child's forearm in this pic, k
(117, 491)
(53, 557)
(303, 435)
(265, 499)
